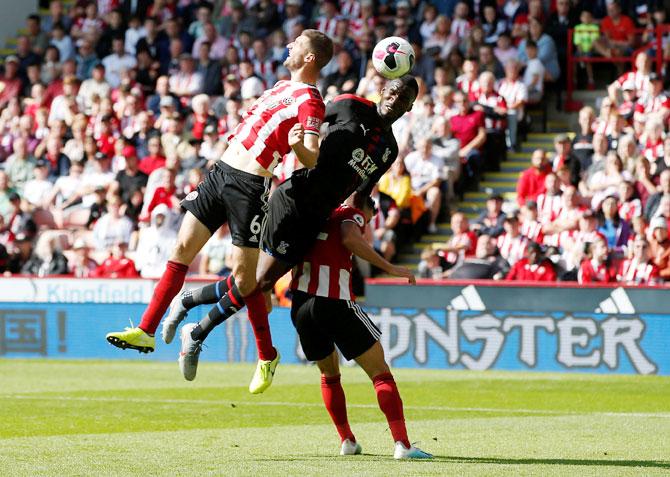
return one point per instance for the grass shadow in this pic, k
(588, 462)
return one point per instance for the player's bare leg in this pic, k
(191, 238)
(336, 403)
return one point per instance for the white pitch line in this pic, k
(662, 415)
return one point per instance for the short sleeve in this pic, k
(311, 114)
(349, 214)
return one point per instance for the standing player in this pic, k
(325, 315)
(286, 117)
(358, 149)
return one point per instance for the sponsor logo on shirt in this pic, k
(191, 195)
(361, 163)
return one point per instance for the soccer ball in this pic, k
(393, 57)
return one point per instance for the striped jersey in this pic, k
(264, 128)
(326, 269)
(634, 271)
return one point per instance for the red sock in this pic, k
(391, 405)
(166, 289)
(258, 317)
(336, 404)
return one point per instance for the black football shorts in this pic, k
(323, 323)
(230, 195)
(292, 227)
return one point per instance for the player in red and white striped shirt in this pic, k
(325, 315)
(286, 117)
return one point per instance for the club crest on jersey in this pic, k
(362, 164)
(282, 247)
(191, 195)
(386, 155)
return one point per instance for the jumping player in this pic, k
(358, 149)
(286, 117)
(325, 314)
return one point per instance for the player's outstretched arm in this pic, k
(353, 240)
(305, 145)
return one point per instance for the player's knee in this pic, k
(246, 283)
(182, 253)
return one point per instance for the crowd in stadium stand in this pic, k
(112, 111)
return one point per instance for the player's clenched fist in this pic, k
(296, 134)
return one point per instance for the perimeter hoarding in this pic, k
(457, 326)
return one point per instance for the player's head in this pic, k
(398, 97)
(312, 49)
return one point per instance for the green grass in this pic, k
(140, 418)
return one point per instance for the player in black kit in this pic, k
(358, 149)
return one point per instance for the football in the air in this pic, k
(393, 57)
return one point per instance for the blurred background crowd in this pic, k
(112, 111)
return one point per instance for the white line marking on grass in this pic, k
(664, 415)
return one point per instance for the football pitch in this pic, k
(94, 418)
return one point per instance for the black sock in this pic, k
(208, 294)
(231, 303)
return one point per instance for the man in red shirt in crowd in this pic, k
(531, 181)
(618, 33)
(468, 127)
(117, 265)
(533, 268)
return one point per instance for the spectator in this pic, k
(534, 74)
(564, 157)
(154, 160)
(37, 190)
(512, 244)
(112, 227)
(345, 79)
(462, 243)
(187, 82)
(618, 33)
(638, 77)
(615, 230)
(130, 178)
(217, 254)
(10, 84)
(494, 108)
(654, 200)
(155, 243)
(515, 94)
(92, 87)
(430, 265)
(427, 174)
(81, 264)
(468, 127)
(117, 62)
(47, 259)
(56, 16)
(61, 40)
(505, 49)
(209, 69)
(534, 267)
(549, 202)
(19, 165)
(486, 264)
(546, 50)
(490, 221)
(597, 266)
(489, 63)
(639, 269)
(117, 265)
(531, 182)
(660, 246)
